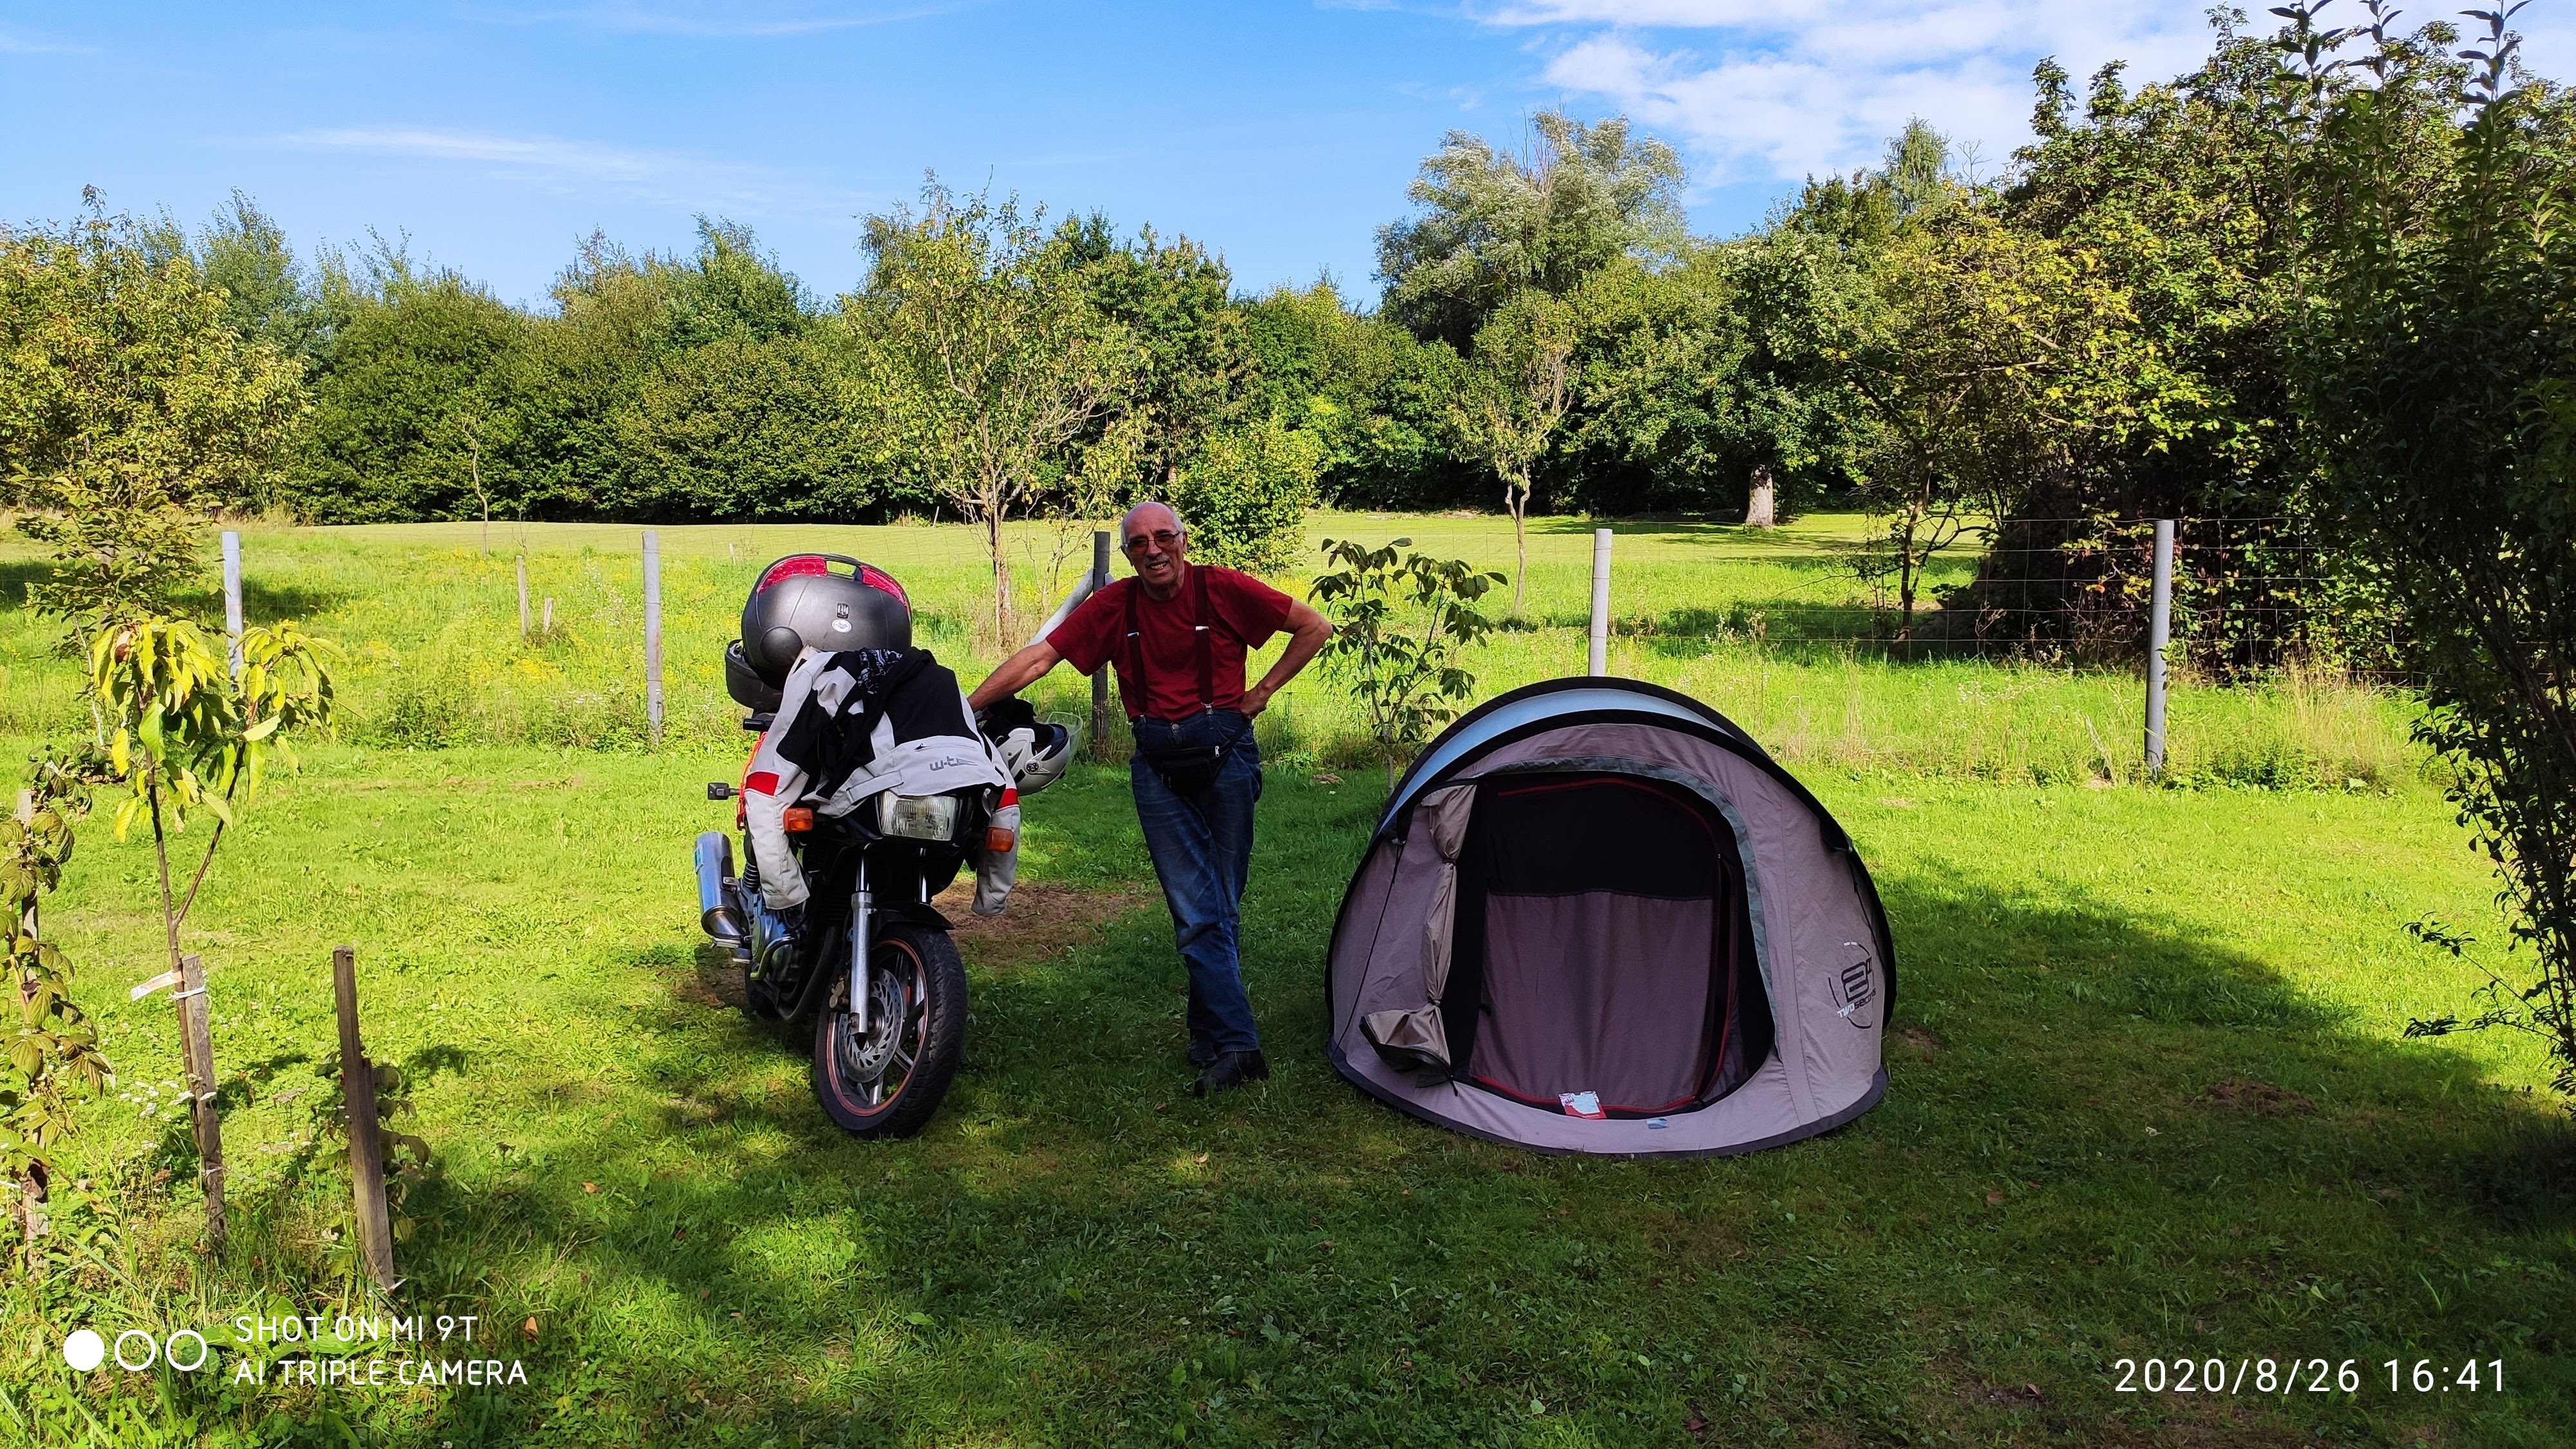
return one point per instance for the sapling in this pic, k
(1401, 623)
(51, 1050)
(184, 737)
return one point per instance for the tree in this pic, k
(52, 1052)
(129, 410)
(410, 350)
(1575, 198)
(1247, 493)
(2438, 379)
(986, 359)
(1518, 389)
(1174, 301)
(1374, 396)
(267, 297)
(183, 736)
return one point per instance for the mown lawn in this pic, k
(2149, 1095)
(2148, 1099)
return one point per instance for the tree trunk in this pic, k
(1762, 508)
(1001, 576)
(1516, 498)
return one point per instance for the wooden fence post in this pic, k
(366, 1145)
(197, 1049)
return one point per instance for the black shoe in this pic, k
(1231, 1070)
(1201, 1053)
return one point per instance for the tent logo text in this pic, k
(1858, 991)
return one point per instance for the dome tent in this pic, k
(1597, 917)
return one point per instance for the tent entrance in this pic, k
(1603, 946)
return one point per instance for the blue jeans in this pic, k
(1201, 844)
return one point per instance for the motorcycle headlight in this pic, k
(917, 817)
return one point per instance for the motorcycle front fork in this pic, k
(861, 903)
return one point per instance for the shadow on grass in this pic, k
(264, 601)
(2104, 1137)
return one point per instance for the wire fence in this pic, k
(2249, 596)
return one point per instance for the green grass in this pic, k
(2148, 1097)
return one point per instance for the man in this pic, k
(1177, 633)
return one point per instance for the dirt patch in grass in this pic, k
(2245, 1094)
(1045, 919)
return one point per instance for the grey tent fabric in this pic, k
(1599, 1013)
(1411, 1036)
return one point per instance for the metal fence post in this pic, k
(1100, 676)
(232, 597)
(1599, 658)
(653, 632)
(2159, 634)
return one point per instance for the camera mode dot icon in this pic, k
(84, 1349)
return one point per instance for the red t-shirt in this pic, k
(1247, 612)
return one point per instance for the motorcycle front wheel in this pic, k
(888, 1080)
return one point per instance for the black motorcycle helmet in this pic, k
(800, 603)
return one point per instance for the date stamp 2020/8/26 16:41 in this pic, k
(2302, 1375)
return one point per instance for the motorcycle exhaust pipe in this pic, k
(716, 912)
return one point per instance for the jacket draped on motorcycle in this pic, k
(852, 725)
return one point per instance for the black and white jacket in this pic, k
(852, 725)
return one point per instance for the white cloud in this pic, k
(519, 153)
(12, 43)
(561, 165)
(1780, 89)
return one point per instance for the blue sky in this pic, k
(1281, 134)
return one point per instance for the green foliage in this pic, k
(51, 1057)
(267, 296)
(1192, 361)
(1402, 622)
(2440, 378)
(985, 357)
(1247, 494)
(183, 734)
(1575, 199)
(1373, 394)
(409, 1164)
(411, 354)
(129, 408)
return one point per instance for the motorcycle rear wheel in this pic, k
(888, 1082)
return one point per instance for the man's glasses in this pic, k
(1162, 538)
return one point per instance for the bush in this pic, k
(1246, 495)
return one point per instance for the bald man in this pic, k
(1177, 634)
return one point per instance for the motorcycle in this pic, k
(873, 971)
(869, 968)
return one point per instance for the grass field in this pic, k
(2148, 1092)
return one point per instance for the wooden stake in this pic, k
(550, 619)
(197, 1047)
(366, 1147)
(523, 596)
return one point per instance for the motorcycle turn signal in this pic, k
(719, 790)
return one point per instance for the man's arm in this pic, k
(1017, 673)
(1307, 631)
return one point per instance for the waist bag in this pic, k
(1185, 769)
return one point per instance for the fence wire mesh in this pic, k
(2250, 596)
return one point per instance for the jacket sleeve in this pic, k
(774, 783)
